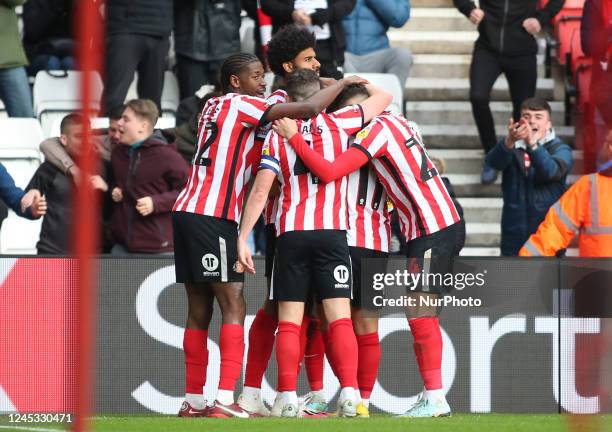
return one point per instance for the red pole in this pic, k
(86, 217)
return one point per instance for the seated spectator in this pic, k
(367, 43)
(14, 86)
(47, 35)
(205, 33)
(149, 174)
(535, 165)
(56, 186)
(324, 19)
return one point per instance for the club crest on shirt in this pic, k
(362, 134)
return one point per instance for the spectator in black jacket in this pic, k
(56, 186)
(205, 33)
(506, 45)
(324, 18)
(137, 34)
(47, 35)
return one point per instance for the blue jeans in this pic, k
(15, 92)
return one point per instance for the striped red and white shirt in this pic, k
(369, 225)
(278, 96)
(304, 203)
(399, 158)
(222, 165)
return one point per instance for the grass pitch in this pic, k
(378, 423)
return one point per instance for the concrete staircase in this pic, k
(437, 98)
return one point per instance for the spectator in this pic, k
(137, 34)
(56, 186)
(367, 43)
(506, 45)
(47, 35)
(535, 165)
(14, 87)
(56, 153)
(324, 18)
(30, 205)
(584, 210)
(205, 33)
(149, 174)
(441, 167)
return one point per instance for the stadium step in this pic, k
(431, 3)
(439, 19)
(476, 251)
(449, 66)
(460, 112)
(434, 42)
(487, 210)
(448, 136)
(482, 234)
(458, 89)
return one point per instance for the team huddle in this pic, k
(325, 164)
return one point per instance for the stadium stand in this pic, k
(170, 93)
(56, 93)
(390, 83)
(578, 70)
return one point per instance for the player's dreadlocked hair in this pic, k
(286, 44)
(233, 65)
(346, 94)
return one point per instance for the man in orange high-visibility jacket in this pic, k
(585, 209)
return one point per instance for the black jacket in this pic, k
(280, 11)
(207, 30)
(54, 233)
(47, 27)
(145, 17)
(502, 30)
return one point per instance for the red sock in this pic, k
(196, 360)
(231, 345)
(303, 339)
(328, 351)
(261, 342)
(428, 350)
(343, 346)
(314, 358)
(369, 360)
(287, 355)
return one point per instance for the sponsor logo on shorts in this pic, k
(210, 263)
(341, 274)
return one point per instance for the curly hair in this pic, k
(286, 44)
(233, 65)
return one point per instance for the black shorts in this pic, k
(433, 255)
(205, 248)
(318, 259)
(270, 248)
(365, 263)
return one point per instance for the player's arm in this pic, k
(378, 101)
(313, 105)
(254, 207)
(325, 170)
